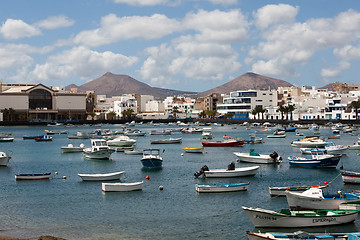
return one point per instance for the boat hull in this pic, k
(122, 187)
(218, 188)
(314, 162)
(151, 163)
(350, 177)
(262, 158)
(238, 172)
(4, 160)
(167, 141)
(281, 191)
(71, 149)
(101, 177)
(101, 154)
(267, 218)
(40, 176)
(194, 150)
(223, 144)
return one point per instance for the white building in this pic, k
(126, 101)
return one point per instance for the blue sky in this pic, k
(189, 45)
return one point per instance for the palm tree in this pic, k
(92, 114)
(11, 114)
(291, 108)
(229, 115)
(254, 112)
(5, 112)
(211, 113)
(355, 105)
(111, 115)
(128, 113)
(202, 114)
(175, 110)
(282, 110)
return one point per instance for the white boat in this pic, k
(121, 141)
(206, 134)
(350, 205)
(194, 150)
(253, 157)
(217, 188)
(355, 146)
(350, 177)
(192, 130)
(329, 148)
(151, 158)
(6, 139)
(163, 132)
(287, 218)
(33, 176)
(101, 176)
(315, 199)
(264, 131)
(308, 142)
(166, 141)
(276, 136)
(5, 158)
(222, 173)
(302, 235)
(79, 135)
(133, 152)
(71, 148)
(99, 150)
(122, 187)
(281, 191)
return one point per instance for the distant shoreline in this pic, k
(40, 238)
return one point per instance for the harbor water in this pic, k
(69, 208)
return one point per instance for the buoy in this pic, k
(64, 177)
(182, 154)
(161, 188)
(56, 173)
(326, 183)
(147, 177)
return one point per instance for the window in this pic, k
(40, 99)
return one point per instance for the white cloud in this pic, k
(113, 29)
(55, 22)
(15, 29)
(274, 14)
(348, 52)
(335, 71)
(81, 62)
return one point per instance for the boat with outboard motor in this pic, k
(254, 157)
(231, 171)
(99, 150)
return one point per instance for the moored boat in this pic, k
(217, 188)
(315, 199)
(6, 139)
(350, 177)
(121, 141)
(276, 136)
(45, 138)
(254, 157)
(99, 150)
(162, 132)
(302, 235)
(122, 187)
(101, 176)
(133, 152)
(229, 172)
(166, 141)
(194, 150)
(32, 137)
(33, 176)
(151, 158)
(281, 191)
(228, 142)
(5, 158)
(309, 142)
(288, 218)
(317, 159)
(79, 135)
(70, 148)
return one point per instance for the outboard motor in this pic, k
(231, 166)
(201, 171)
(275, 156)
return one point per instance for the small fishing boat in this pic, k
(162, 132)
(228, 142)
(5, 158)
(121, 141)
(218, 188)
(99, 150)
(276, 136)
(281, 191)
(101, 176)
(334, 136)
(253, 139)
(350, 177)
(350, 205)
(206, 134)
(309, 142)
(33, 176)
(194, 150)
(317, 159)
(302, 235)
(2, 135)
(166, 141)
(45, 138)
(70, 148)
(32, 137)
(229, 172)
(151, 158)
(264, 131)
(291, 129)
(122, 187)
(287, 218)
(137, 133)
(254, 157)
(79, 135)
(133, 152)
(192, 130)
(355, 146)
(6, 139)
(52, 132)
(315, 199)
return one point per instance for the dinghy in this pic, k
(101, 176)
(218, 188)
(122, 187)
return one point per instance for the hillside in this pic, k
(248, 81)
(115, 85)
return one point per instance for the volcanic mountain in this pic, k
(248, 81)
(115, 85)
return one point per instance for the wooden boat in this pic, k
(33, 176)
(101, 176)
(281, 191)
(228, 142)
(217, 188)
(302, 235)
(99, 150)
(5, 158)
(71, 148)
(350, 205)
(122, 187)
(222, 173)
(315, 199)
(6, 139)
(350, 177)
(121, 141)
(253, 157)
(166, 141)
(151, 158)
(317, 159)
(44, 139)
(194, 150)
(32, 137)
(287, 218)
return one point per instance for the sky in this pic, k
(188, 45)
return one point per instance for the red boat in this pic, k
(228, 142)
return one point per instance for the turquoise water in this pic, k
(72, 209)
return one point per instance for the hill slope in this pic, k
(115, 85)
(248, 81)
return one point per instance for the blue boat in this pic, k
(318, 159)
(290, 129)
(151, 158)
(32, 137)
